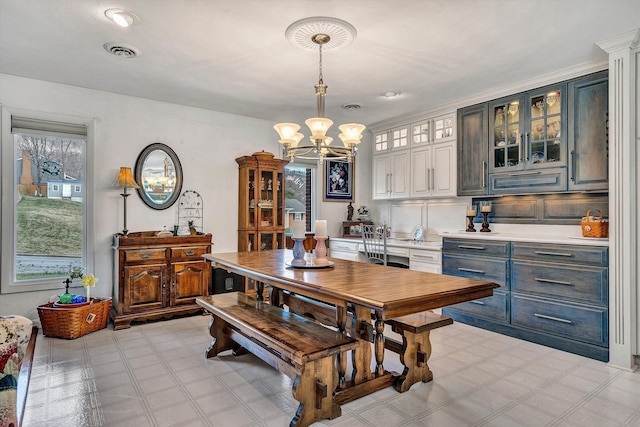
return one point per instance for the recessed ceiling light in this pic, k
(122, 18)
(390, 94)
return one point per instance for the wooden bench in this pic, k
(300, 348)
(414, 350)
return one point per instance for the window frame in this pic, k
(8, 210)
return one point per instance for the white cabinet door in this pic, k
(400, 175)
(391, 176)
(444, 170)
(381, 170)
(421, 172)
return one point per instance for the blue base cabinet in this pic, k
(550, 294)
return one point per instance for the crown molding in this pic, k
(493, 93)
(628, 40)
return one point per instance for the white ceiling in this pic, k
(232, 56)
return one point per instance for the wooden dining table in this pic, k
(369, 293)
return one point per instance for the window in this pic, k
(45, 232)
(300, 194)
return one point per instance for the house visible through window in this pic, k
(48, 217)
(299, 194)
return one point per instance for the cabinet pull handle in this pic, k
(553, 253)
(390, 183)
(480, 248)
(471, 270)
(526, 147)
(433, 179)
(557, 282)
(424, 256)
(484, 172)
(477, 302)
(190, 252)
(557, 319)
(525, 173)
(573, 165)
(145, 255)
(522, 147)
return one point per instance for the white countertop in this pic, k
(397, 243)
(534, 238)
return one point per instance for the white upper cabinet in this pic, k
(426, 169)
(444, 128)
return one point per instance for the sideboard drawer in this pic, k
(476, 247)
(582, 323)
(589, 255)
(493, 307)
(151, 254)
(493, 269)
(189, 251)
(578, 283)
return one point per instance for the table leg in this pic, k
(379, 343)
(259, 291)
(341, 358)
(361, 357)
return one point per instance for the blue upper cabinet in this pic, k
(528, 143)
(550, 139)
(588, 133)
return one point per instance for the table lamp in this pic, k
(125, 180)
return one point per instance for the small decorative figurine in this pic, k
(349, 212)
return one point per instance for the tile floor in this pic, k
(155, 374)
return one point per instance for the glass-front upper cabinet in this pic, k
(421, 133)
(545, 128)
(444, 128)
(526, 131)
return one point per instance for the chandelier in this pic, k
(310, 33)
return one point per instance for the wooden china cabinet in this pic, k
(261, 219)
(158, 277)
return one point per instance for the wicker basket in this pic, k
(594, 226)
(71, 323)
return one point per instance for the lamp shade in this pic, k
(287, 132)
(125, 178)
(318, 127)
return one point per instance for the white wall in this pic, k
(206, 142)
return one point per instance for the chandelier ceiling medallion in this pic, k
(311, 34)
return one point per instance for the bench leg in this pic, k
(416, 349)
(221, 341)
(314, 388)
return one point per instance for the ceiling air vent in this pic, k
(122, 50)
(352, 106)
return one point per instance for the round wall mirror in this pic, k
(159, 175)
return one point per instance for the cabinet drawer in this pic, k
(493, 307)
(432, 257)
(343, 246)
(476, 247)
(144, 254)
(530, 181)
(591, 255)
(578, 283)
(582, 323)
(403, 252)
(189, 251)
(493, 269)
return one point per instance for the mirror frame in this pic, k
(142, 158)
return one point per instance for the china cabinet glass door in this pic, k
(266, 202)
(506, 134)
(545, 124)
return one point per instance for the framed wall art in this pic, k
(339, 177)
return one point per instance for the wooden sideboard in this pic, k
(158, 277)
